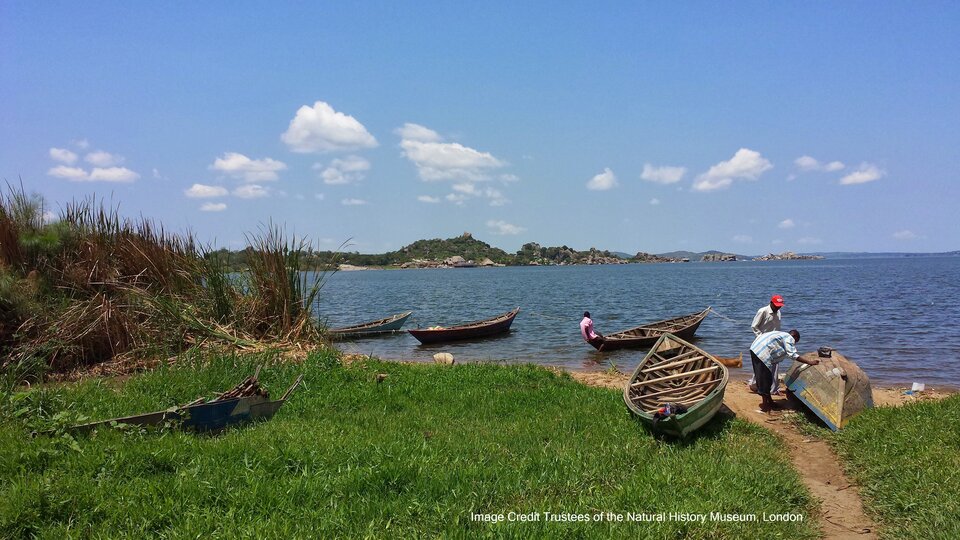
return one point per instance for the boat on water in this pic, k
(246, 402)
(835, 390)
(682, 378)
(471, 330)
(641, 337)
(389, 324)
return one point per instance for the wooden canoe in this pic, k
(641, 337)
(372, 328)
(245, 402)
(476, 329)
(676, 372)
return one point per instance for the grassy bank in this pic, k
(411, 456)
(907, 462)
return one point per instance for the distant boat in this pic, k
(644, 336)
(372, 328)
(476, 329)
(835, 390)
(677, 373)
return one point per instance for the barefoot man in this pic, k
(768, 350)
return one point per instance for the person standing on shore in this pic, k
(766, 352)
(586, 330)
(767, 319)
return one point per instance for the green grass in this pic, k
(412, 456)
(907, 462)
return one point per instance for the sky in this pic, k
(746, 127)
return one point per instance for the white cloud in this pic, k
(808, 240)
(156, 174)
(603, 181)
(48, 217)
(416, 132)
(743, 239)
(201, 191)
(449, 161)
(251, 191)
(867, 172)
(63, 155)
(213, 207)
(344, 171)
(456, 198)
(74, 174)
(249, 170)
(786, 224)
(904, 235)
(113, 174)
(322, 129)
(82, 144)
(662, 175)
(654, 201)
(428, 199)
(503, 228)
(103, 159)
(507, 178)
(353, 202)
(319, 196)
(467, 188)
(807, 163)
(746, 164)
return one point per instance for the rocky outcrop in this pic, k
(788, 256)
(719, 257)
(643, 257)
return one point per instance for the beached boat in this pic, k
(677, 374)
(835, 390)
(243, 403)
(392, 323)
(641, 337)
(471, 330)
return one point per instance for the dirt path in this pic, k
(841, 508)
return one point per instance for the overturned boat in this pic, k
(835, 390)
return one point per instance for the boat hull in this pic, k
(674, 371)
(835, 390)
(376, 328)
(480, 329)
(618, 341)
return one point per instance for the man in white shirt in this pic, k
(767, 319)
(766, 352)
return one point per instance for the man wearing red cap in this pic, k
(766, 320)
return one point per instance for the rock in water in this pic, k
(443, 358)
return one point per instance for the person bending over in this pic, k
(768, 350)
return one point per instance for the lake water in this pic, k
(897, 317)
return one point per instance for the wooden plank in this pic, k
(678, 388)
(677, 376)
(674, 362)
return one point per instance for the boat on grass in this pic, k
(835, 390)
(471, 330)
(680, 377)
(392, 323)
(641, 337)
(245, 402)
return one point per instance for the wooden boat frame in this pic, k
(213, 415)
(643, 336)
(476, 329)
(675, 371)
(386, 325)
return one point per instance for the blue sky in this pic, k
(739, 126)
